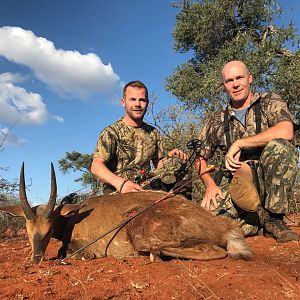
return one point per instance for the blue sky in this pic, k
(62, 67)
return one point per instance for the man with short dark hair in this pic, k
(254, 133)
(126, 149)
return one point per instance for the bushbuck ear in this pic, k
(14, 210)
(69, 208)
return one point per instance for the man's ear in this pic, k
(250, 78)
(123, 102)
(222, 84)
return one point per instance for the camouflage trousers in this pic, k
(276, 171)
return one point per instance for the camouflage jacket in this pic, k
(127, 150)
(273, 110)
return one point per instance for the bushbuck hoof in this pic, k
(155, 256)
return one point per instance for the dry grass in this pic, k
(9, 225)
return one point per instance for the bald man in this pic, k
(254, 133)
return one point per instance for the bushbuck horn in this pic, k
(23, 198)
(52, 200)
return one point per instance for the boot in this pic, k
(276, 227)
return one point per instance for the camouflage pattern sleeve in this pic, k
(208, 138)
(160, 145)
(276, 109)
(160, 151)
(106, 145)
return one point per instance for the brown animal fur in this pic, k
(175, 227)
(179, 224)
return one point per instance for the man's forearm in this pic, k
(201, 166)
(280, 130)
(99, 170)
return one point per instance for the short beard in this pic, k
(133, 117)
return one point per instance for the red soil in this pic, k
(274, 273)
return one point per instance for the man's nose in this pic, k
(236, 82)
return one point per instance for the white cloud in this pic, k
(58, 119)
(19, 105)
(11, 77)
(8, 137)
(66, 72)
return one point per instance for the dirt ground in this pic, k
(274, 273)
